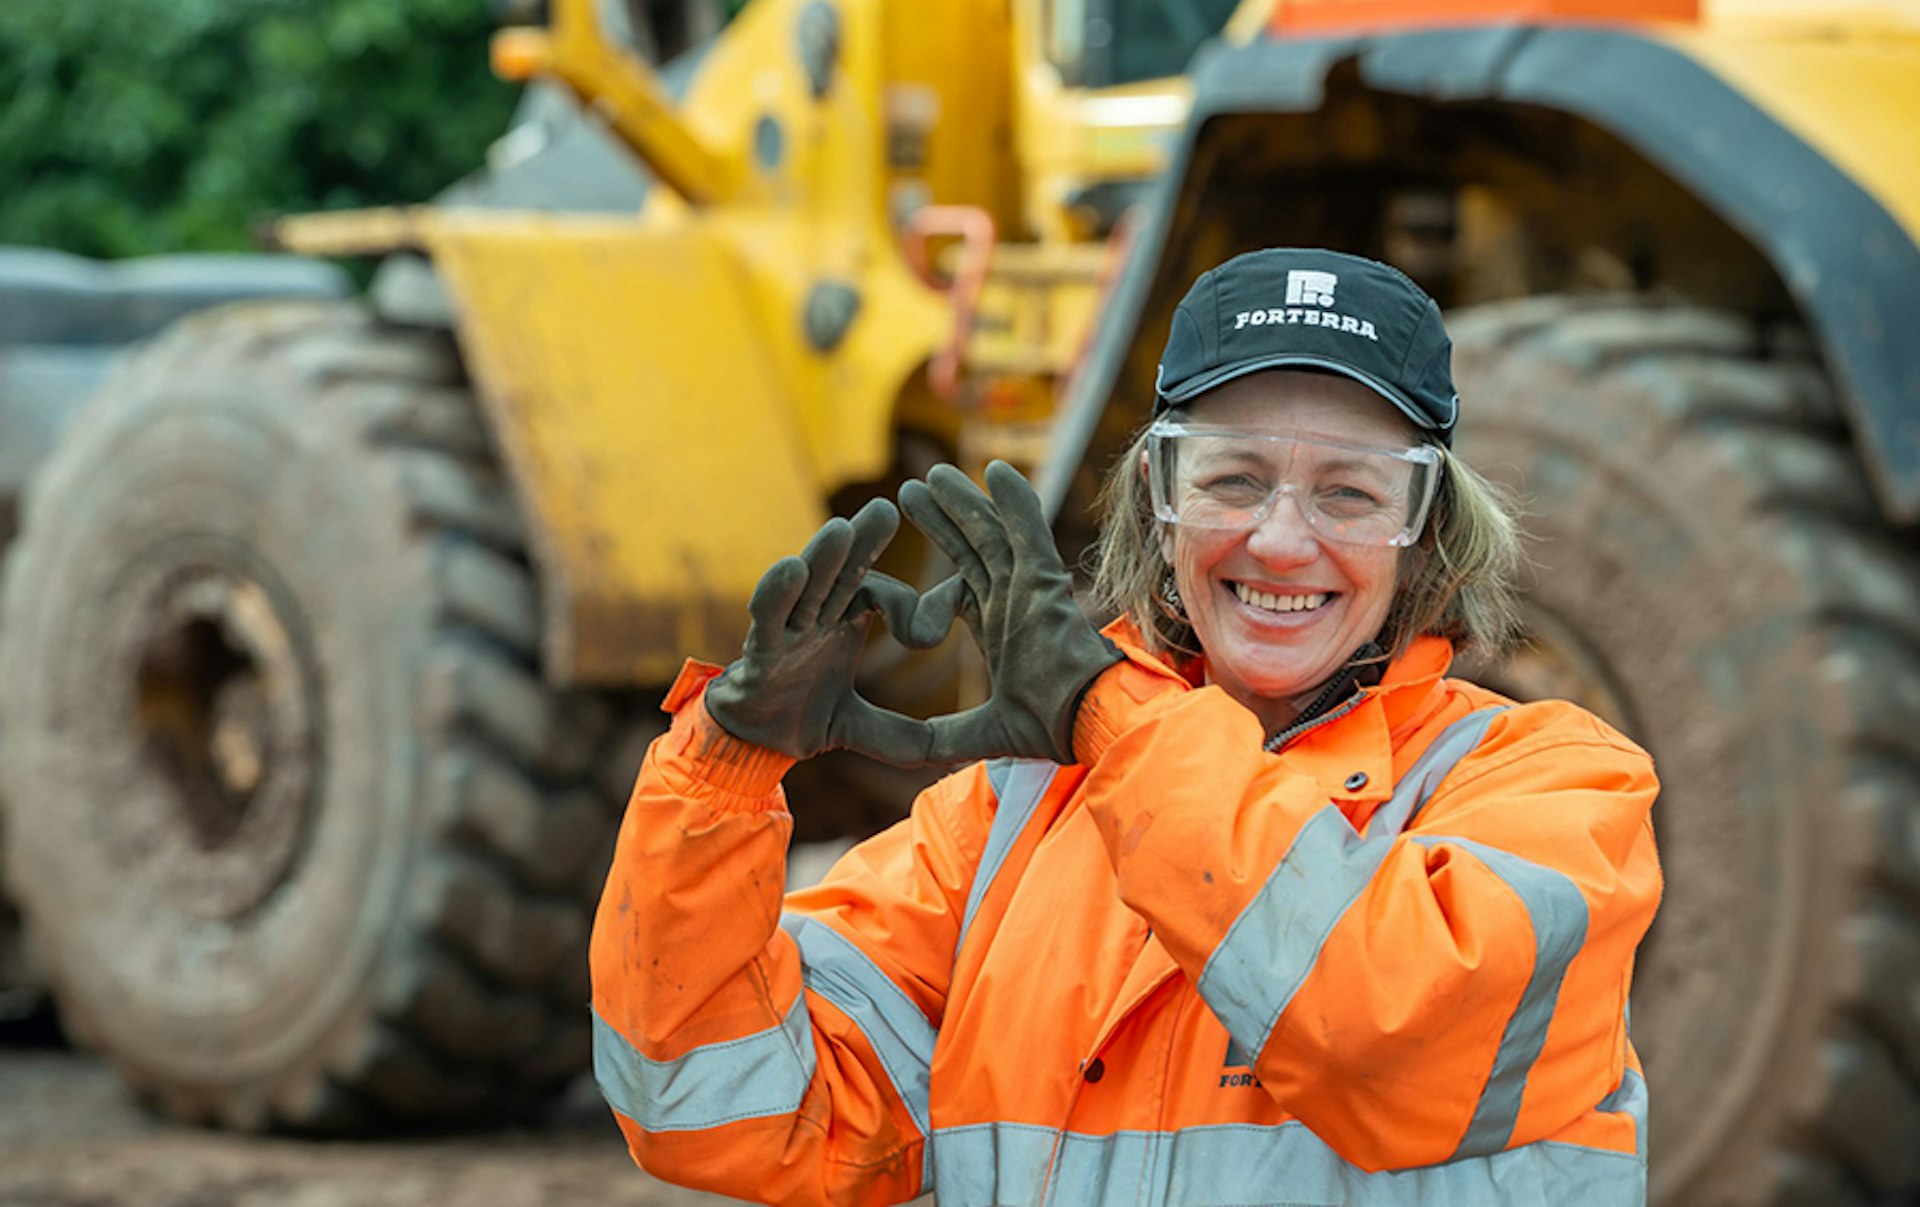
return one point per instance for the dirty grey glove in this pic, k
(791, 689)
(1041, 650)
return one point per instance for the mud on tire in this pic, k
(299, 832)
(1711, 570)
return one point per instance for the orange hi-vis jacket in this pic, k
(1386, 965)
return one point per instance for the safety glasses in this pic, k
(1212, 477)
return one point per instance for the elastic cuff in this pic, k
(713, 758)
(1122, 696)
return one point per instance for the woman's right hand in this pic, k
(792, 687)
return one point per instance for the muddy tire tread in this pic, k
(476, 1012)
(1779, 421)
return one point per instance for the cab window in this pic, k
(1100, 43)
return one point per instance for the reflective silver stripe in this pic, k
(1274, 943)
(1412, 791)
(997, 772)
(1272, 946)
(1018, 785)
(1630, 1097)
(1559, 916)
(996, 1164)
(1244, 1165)
(901, 1036)
(762, 1074)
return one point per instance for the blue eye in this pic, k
(1233, 486)
(1347, 501)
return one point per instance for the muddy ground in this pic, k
(70, 1136)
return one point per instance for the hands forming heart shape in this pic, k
(792, 689)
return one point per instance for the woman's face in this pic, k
(1272, 658)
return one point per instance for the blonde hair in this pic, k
(1455, 581)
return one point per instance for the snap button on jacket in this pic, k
(1388, 964)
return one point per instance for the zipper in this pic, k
(1279, 740)
(1362, 671)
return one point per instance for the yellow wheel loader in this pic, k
(328, 636)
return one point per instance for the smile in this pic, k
(1270, 602)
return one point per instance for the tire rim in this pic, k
(222, 713)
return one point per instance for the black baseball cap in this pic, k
(1297, 307)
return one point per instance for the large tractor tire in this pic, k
(298, 832)
(1712, 573)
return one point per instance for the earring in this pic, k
(1170, 602)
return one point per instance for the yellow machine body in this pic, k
(1812, 66)
(673, 424)
(659, 448)
(672, 392)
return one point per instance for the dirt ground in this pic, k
(70, 1136)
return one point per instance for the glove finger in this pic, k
(917, 500)
(915, 622)
(1024, 518)
(880, 733)
(893, 599)
(976, 516)
(774, 596)
(946, 599)
(873, 526)
(824, 555)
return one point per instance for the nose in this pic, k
(1283, 538)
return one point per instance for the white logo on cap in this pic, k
(1281, 316)
(1305, 285)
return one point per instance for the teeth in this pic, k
(1278, 603)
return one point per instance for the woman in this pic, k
(1251, 903)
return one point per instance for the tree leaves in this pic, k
(136, 126)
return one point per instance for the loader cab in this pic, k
(1104, 43)
(1101, 93)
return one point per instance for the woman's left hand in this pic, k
(1041, 651)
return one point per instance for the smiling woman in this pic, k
(1358, 476)
(1281, 519)
(1244, 899)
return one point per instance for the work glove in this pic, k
(1041, 651)
(792, 688)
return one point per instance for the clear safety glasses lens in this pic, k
(1216, 478)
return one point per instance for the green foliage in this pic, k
(134, 126)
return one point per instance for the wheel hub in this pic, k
(224, 726)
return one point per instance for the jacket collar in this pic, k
(1350, 752)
